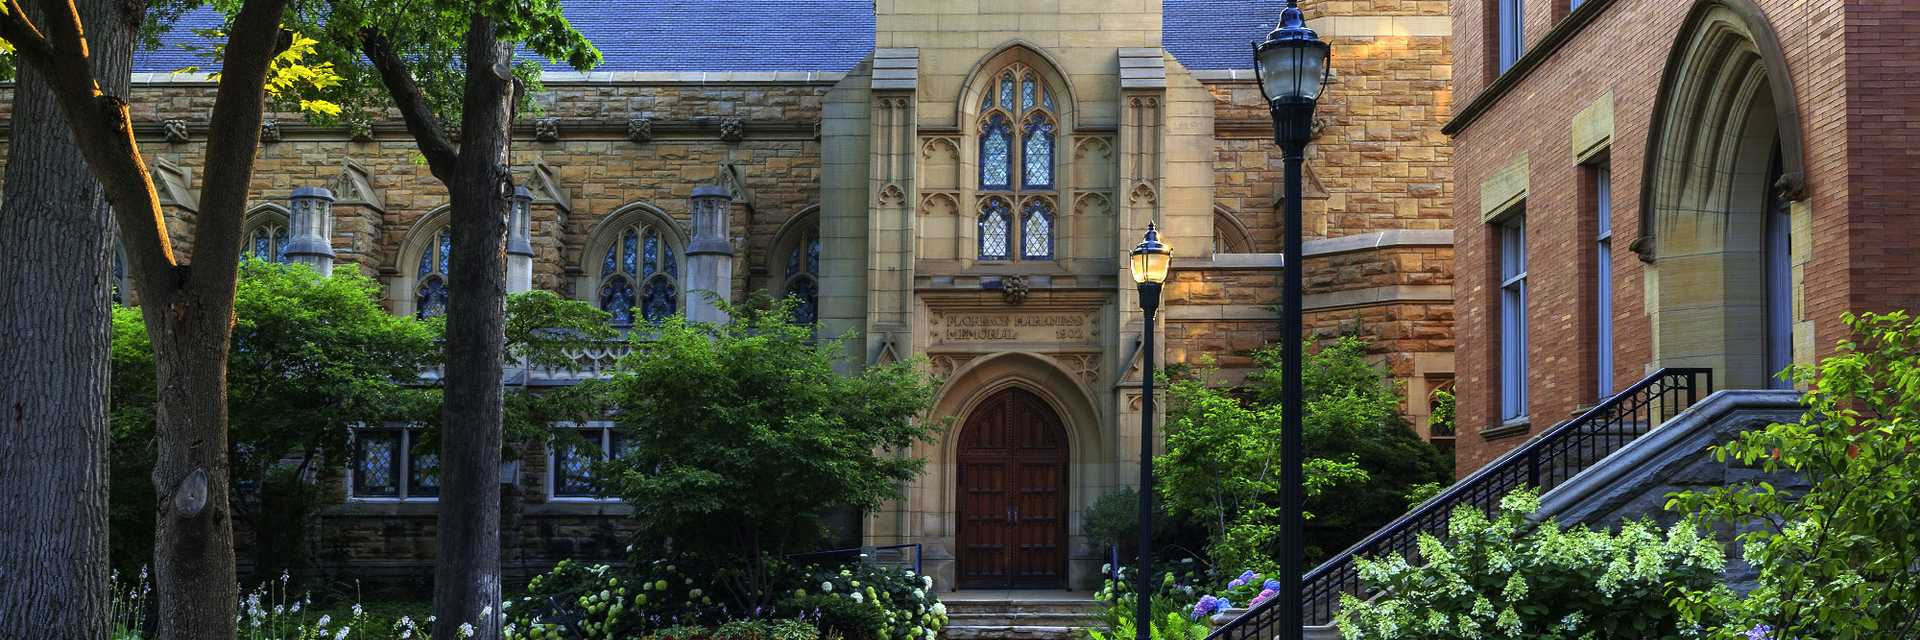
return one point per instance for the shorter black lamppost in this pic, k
(1151, 259)
(1292, 68)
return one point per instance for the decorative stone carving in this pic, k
(1319, 125)
(547, 129)
(1143, 195)
(939, 203)
(360, 130)
(175, 130)
(640, 129)
(269, 130)
(733, 129)
(1014, 289)
(892, 196)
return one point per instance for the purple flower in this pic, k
(1264, 596)
(1236, 583)
(1271, 585)
(1206, 606)
(1249, 576)
(1760, 632)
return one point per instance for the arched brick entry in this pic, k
(1012, 502)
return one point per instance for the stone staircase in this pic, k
(1016, 615)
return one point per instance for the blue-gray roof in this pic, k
(782, 35)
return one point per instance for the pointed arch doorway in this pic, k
(1012, 473)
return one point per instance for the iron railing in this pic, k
(1543, 462)
(903, 554)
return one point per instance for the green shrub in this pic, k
(793, 629)
(742, 630)
(1504, 578)
(681, 632)
(1836, 561)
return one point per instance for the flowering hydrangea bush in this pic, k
(663, 601)
(1171, 618)
(909, 608)
(1502, 577)
(270, 611)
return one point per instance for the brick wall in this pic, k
(1852, 146)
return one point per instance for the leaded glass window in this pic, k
(638, 276)
(996, 153)
(1036, 230)
(1019, 136)
(266, 239)
(803, 278)
(430, 290)
(1036, 154)
(574, 458)
(995, 228)
(393, 463)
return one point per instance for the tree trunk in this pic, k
(467, 574)
(56, 258)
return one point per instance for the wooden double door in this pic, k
(1012, 461)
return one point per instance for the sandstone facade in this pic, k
(882, 163)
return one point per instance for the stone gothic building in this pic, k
(953, 180)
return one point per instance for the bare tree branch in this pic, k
(427, 133)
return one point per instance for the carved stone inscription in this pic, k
(975, 328)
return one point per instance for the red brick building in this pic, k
(1662, 183)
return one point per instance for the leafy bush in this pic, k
(745, 438)
(1352, 414)
(1837, 560)
(1168, 612)
(906, 604)
(1504, 578)
(663, 599)
(1222, 471)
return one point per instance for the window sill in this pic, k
(1508, 429)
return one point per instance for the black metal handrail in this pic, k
(1543, 462)
(854, 552)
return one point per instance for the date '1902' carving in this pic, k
(1006, 327)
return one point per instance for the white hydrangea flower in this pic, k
(466, 630)
(826, 587)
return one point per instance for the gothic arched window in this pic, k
(430, 288)
(1018, 132)
(803, 277)
(640, 270)
(266, 237)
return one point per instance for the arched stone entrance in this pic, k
(1723, 170)
(1011, 479)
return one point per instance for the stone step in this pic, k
(1024, 619)
(1012, 632)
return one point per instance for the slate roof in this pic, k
(781, 35)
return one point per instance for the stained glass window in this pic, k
(1036, 230)
(1018, 131)
(996, 154)
(639, 271)
(376, 463)
(266, 240)
(391, 463)
(994, 229)
(424, 473)
(573, 461)
(430, 294)
(1036, 170)
(803, 278)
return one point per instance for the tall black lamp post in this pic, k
(1292, 68)
(1151, 260)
